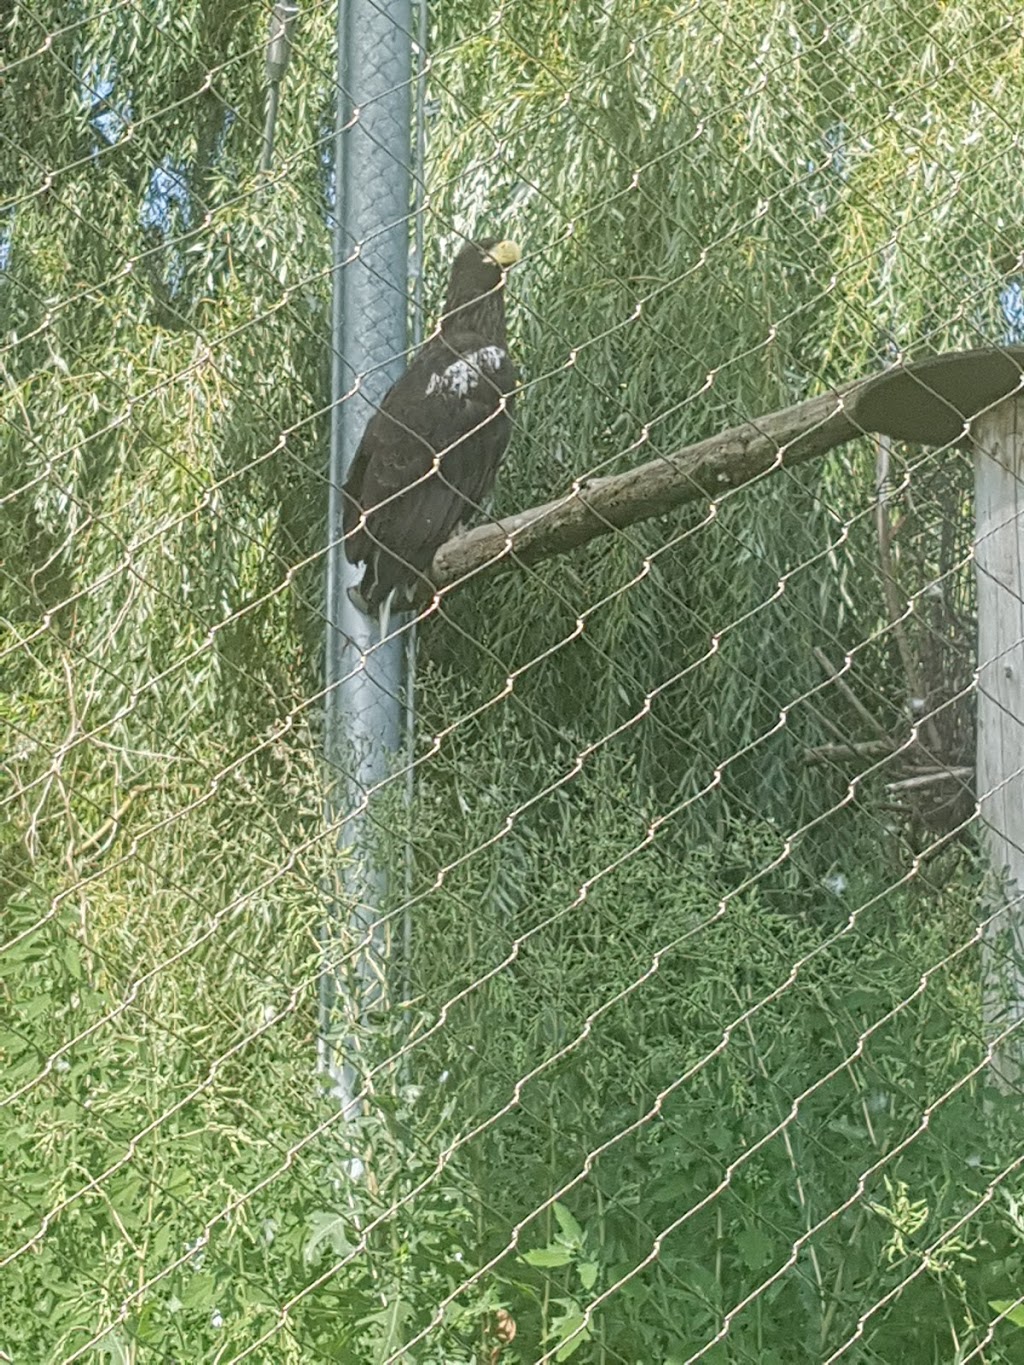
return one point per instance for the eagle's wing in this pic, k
(356, 543)
(433, 447)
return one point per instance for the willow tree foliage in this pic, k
(723, 210)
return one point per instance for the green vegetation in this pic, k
(692, 1030)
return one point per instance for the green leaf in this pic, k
(570, 1229)
(754, 1247)
(198, 1293)
(113, 1348)
(73, 959)
(572, 1323)
(326, 1229)
(1014, 1311)
(672, 1188)
(587, 1271)
(547, 1256)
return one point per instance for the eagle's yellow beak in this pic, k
(506, 253)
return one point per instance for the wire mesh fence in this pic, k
(681, 1047)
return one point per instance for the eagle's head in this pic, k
(478, 272)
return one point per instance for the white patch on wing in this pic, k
(463, 375)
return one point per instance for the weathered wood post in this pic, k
(976, 399)
(999, 563)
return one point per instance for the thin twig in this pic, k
(113, 821)
(930, 779)
(848, 692)
(868, 748)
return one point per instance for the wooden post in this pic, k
(999, 561)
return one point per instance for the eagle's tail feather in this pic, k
(384, 613)
(357, 599)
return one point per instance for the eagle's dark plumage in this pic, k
(430, 453)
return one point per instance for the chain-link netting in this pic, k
(682, 1036)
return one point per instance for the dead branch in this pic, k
(843, 686)
(930, 779)
(866, 749)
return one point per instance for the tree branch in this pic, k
(596, 507)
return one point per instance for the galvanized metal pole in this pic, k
(364, 701)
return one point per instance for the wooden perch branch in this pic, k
(597, 507)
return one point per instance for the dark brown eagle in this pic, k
(430, 453)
